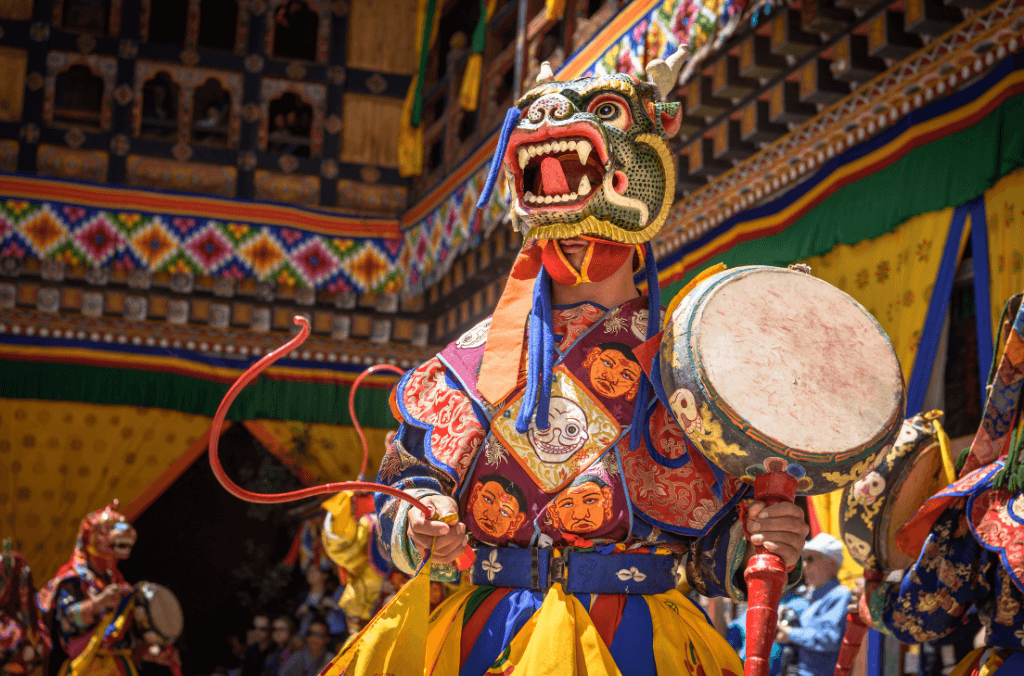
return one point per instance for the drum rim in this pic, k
(729, 414)
(156, 586)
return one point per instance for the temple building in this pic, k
(179, 178)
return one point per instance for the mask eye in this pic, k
(611, 110)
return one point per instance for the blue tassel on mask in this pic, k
(540, 358)
(511, 119)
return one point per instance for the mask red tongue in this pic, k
(552, 177)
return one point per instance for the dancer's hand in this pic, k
(110, 596)
(781, 529)
(450, 540)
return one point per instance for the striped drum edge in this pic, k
(879, 503)
(771, 369)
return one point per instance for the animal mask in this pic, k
(589, 157)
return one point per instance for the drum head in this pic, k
(162, 608)
(768, 369)
(799, 360)
(923, 479)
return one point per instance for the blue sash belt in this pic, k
(578, 572)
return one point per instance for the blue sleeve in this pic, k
(947, 579)
(823, 626)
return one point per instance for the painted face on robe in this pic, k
(566, 433)
(584, 507)
(498, 506)
(614, 371)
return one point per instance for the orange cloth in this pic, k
(500, 366)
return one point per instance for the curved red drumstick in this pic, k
(352, 409)
(218, 421)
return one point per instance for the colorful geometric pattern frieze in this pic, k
(160, 242)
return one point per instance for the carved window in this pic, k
(211, 110)
(290, 125)
(296, 28)
(160, 96)
(168, 21)
(218, 24)
(92, 16)
(78, 97)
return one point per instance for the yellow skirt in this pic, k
(492, 630)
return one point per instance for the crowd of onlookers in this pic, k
(300, 643)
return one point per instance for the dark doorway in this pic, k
(160, 107)
(210, 112)
(295, 31)
(290, 125)
(218, 23)
(167, 21)
(219, 555)
(78, 97)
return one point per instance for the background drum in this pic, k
(877, 505)
(158, 617)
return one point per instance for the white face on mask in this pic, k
(566, 434)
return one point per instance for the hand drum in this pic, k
(785, 381)
(769, 369)
(157, 610)
(877, 505)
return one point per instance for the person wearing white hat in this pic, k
(822, 625)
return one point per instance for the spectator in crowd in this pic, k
(318, 600)
(822, 625)
(312, 659)
(258, 647)
(281, 630)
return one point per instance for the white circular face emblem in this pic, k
(566, 434)
(475, 337)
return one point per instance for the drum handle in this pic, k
(765, 576)
(854, 636)
(271, 498)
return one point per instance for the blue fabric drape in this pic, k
(982, 299)
(936, 316)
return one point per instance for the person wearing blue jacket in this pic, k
(822, 625)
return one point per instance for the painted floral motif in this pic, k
(571, 323)
(455, 434)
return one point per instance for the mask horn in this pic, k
(545, 74)
(663, 72)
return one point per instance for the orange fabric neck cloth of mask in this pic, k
(500, 367)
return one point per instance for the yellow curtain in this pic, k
(1004, 209)
(61, 460)
(320, 453)
(892, 276)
